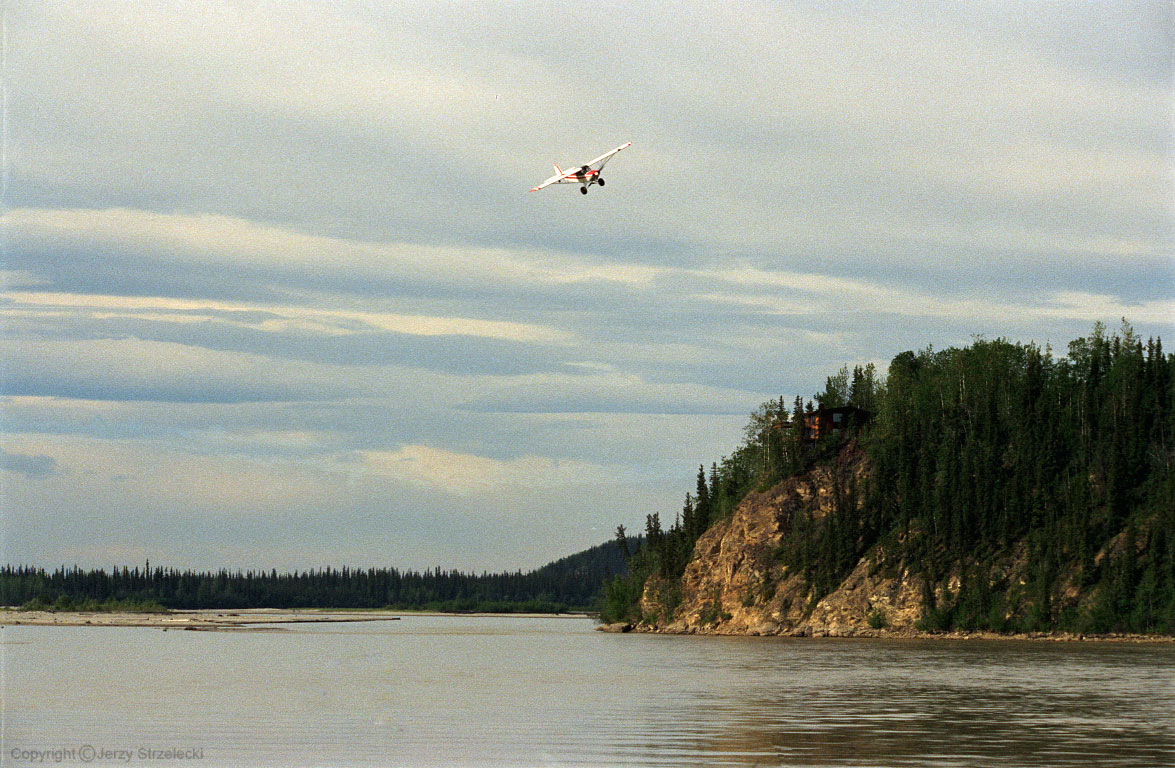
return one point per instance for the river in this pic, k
(499, 691)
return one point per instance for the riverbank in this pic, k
(242, 619)
(902, 634)
(255, 618)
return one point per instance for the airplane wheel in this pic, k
(600, 182)
(583, 190)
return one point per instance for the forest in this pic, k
(571, 583)
(979, 456)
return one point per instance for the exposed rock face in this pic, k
(735, 583)
(895, 601)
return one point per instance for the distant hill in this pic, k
(992, 487)
(572, 583)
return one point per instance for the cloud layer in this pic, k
(274, 293)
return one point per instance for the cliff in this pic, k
(737, 582)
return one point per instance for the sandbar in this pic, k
(252, 618)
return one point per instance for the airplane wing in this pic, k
(549, 182)
(606, 156)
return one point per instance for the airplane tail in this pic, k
(558, 170)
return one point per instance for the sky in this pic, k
(274, 293)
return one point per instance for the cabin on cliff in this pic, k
(826, 422)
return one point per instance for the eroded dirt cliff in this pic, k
(737, 584)
(737, 581)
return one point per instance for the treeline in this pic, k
(986, 461)
(1001, 450)
(571, 583)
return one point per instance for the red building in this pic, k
(824, 422)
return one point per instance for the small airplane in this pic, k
(587, 174)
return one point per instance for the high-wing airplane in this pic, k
(587, 174)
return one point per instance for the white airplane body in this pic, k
(587, 174)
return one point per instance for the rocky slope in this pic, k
(737, 584)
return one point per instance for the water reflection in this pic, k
(909, 703)
(512, 691)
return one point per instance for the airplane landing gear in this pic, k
(583, 190)
(600, 181)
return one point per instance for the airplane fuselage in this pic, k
(587, 178)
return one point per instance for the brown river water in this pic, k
(497, 691)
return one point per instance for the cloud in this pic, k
(530, 333)
(607, 391)
(467, 474)
(813, 292)
(128, 369)
(413, 507)
(942, 118)
(278, 318)
(28, 465)
(519, 278)
(133, 250)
